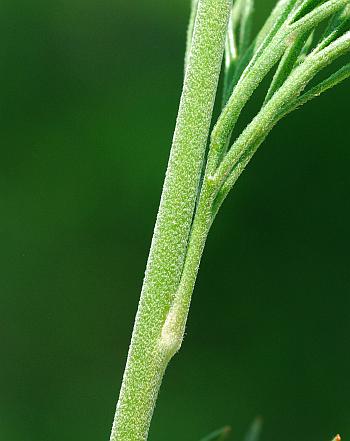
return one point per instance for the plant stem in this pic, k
(152, 346)
(191, 197)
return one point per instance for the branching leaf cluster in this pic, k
(287, 44)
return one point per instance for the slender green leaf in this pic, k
(245, 30)
(318, 14)
(232, 49)
(238, 40)
(287, 64)
(264, 38)
(306, 49)
(303, 7)
(338, 24)
(333, 80)
(281, 10)
(231, 52)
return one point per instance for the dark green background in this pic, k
(89, 95)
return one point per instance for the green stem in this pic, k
(152, 346)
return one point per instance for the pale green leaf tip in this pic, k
(218, 435)
(254, 430)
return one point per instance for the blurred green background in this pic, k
(89, 95)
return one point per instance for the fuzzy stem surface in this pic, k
(151, 347)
